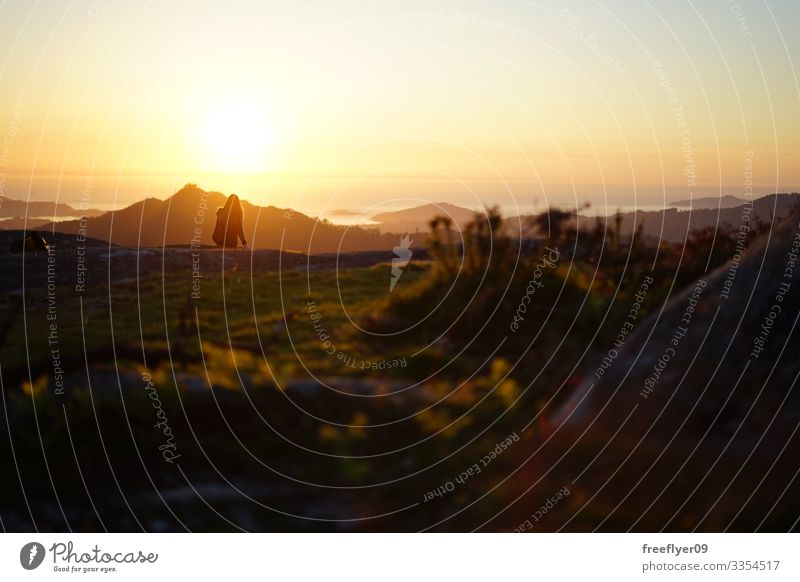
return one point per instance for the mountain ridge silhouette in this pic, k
(188, 217)
(16, 208)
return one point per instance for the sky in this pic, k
(357, 104)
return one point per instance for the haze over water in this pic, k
(353, 103)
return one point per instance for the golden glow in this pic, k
(237, 138)
(272, 101)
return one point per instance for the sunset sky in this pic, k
(349, 104)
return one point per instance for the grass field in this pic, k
(316, 399)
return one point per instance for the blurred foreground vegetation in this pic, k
(318, 400)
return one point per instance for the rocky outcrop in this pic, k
(719, 358)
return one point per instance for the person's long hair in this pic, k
(232, 211)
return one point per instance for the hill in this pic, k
(11, 208)
(417, 218)
(22, 223)
(672, 224)
(727, 201)
(189, 215)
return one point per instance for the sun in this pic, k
(237, 138)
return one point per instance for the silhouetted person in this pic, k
(229, 224)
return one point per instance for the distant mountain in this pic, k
(155, 222)
(418, 217)
(672, 224)
(22, 223)
(189, 216)
(727, 201)
(11, 208)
